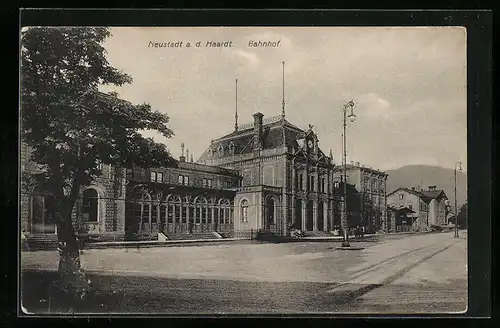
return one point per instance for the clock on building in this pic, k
(310, 143)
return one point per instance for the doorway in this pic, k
(298, 214)
(309, 216)
(321, 226)
(270, 214)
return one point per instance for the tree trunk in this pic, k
(73, 280)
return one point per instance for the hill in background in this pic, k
(422, 176)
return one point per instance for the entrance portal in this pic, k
(321, 216)
(309, 216)
(298, 215)
(89, 208)
(270, 214)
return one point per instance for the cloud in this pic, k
(250, 58)
(373, 105)
(408, 84)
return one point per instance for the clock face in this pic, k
(310, 143)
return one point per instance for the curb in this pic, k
(139, 244)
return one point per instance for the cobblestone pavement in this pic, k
(415, 274)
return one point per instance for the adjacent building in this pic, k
(429, 207)
(371, 187)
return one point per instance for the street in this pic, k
(411, 274)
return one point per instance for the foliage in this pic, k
(462, 216)
(71, 127)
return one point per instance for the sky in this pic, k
(408, 85)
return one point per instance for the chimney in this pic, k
(187, 154)
(257, 128)
(182, 158)
(352, 163)
(413, 188)
(357, 163)
(432, 188)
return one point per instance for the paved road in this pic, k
(414, 274)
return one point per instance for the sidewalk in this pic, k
(155, 243)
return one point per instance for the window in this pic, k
(312, 184)
(244, 211)
(301, 182)
(401, 196)
(159, 177)
(367, 184)
(374, 185)
(186, 181)
(181, 179)
(90, 205)
(336, 184)
(323, 185)
(410, 206)
(99, 165)
(153, 176)
(209, 183)
(204, 182)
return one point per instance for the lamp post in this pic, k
(352, 117)
(456, 212)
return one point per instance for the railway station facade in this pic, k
(267, 175)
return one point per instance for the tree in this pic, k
(72, 127)
(462, 216)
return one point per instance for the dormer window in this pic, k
(231, 148)
(220, 150)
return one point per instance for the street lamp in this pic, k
(456, 212)
(352, 117)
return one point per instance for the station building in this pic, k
(268, 175)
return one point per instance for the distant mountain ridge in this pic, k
(423, 176)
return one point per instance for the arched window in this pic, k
(244, 210)
(89, 206)
(146, 208)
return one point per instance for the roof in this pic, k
(402, 208)
(276, 132)
(434, 194)
(206, 168)
(425, 195)
(362, 168)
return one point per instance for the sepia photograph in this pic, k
(243, 170)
